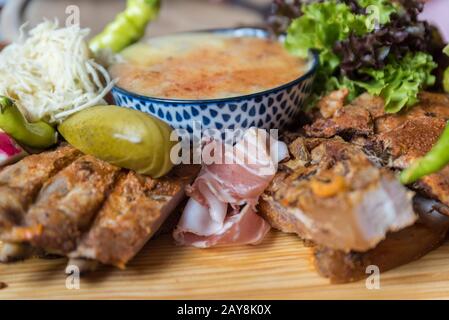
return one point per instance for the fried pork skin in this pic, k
(330, 193)
(21, 182)
(391, 141)
(65, 206)
(67, 203)
(132, 214)
(395, 139)
(399, 248)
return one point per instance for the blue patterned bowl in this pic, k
(270, 109)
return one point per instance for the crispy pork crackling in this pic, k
(331, 193)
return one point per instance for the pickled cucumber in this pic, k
(123, 137)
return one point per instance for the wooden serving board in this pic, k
(279, 268)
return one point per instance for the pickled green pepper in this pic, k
(128, 27)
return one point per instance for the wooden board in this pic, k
(279, 268)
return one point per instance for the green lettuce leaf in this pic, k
(400, 81)
(379, 11)
(323, 24)
(320, 27)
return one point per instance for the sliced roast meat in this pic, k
(396, 140)
(435, 186)
(333, 102)
(330, 193)
(65, 206)
(66, 203)
(348, 121)
(355, 119)
(401, 139)
(432, 105)
(389, 141)
(407, 142)
(21, 182)
(365, 116)
(397, 249)
(132, 214)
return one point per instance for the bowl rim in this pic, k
(313, 56)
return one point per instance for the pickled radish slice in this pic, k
(10, 151)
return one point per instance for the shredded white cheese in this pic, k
(50, 73)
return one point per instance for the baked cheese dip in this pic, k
(198, 66)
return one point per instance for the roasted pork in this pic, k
(313, 195)
(21, 182)
(65, 206)
(132, 214)
(330, 192)
(356, 118)
(79, 206)
(396, 140)
(10, 252)
(397, 249)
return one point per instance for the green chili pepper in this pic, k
(128, 27)
(438, 156)
(432, 162)
(36, 135)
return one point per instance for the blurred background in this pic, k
(176, 15)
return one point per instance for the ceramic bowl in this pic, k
(270, 109)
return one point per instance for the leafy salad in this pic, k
(374, 46)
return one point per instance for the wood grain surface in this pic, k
(279, 268)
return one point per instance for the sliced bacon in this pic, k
(214, 215)
(245, 227)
